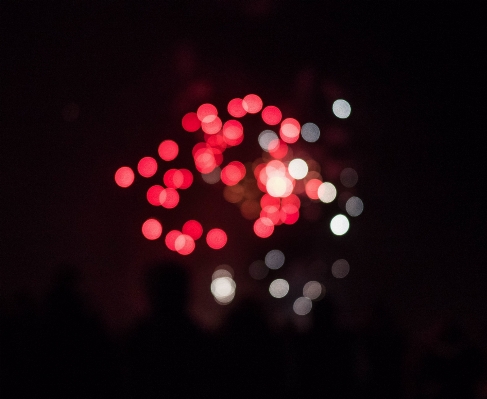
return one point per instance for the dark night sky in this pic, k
(411, 71)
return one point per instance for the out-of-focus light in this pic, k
(354, 206)
(212, 127)
(147, 167)
(279, 288)
(258, 270)
(311, 188)
(124, 176)
(169, 198)
(216, 238)
(267, 200)
(184, 244)
(289, 131)
(154, 194)
(340, 268)
(190, 122)
(252, 103)
(302, 306)
(212, 177)
(276, 186)
(233, 173)
(193, 229)
(349, 177)
(152, 229)
(271, 115)
(263, 227)
(207, 113)
(223, 289)
(222, 271)
(168, 150)
(278, 149)
(233, 194)
(171, 238)
(341, 109)
(313, 290)
(274, 259)
(289, 214)
(339, 225)
(265, 138)
(173, 178)
(250, 209)
(327, 192)
(187, 179)
(298, 168)
(310, 132)
(235, 108)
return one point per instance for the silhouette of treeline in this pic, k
(63, 351)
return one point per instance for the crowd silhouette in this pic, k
(62, 350)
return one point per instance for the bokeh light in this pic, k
(310, 132)
(147, 167)
(279, 288)
(265, 138)
(233, 173)
(354, 206)
(327, 192)
(124, 176)
(258, 270)
(212, 127)
(339, 225)
(171, 238)
(235, 108)
(216, 238)
(184, 244)
(173, 178)
(232, 132)
(152, 229)
(298, 168)
(222, 271)
(340, 268)
(312, 187)
(341, 109)
(154, 194)
(263, 227)
(271, 115)
(190, 122)
(207, 113)
(349, 177)
(274, 259)
(302, 306)
(222, 287)
(252, 103)
(313, 290)
(289, 131)
(193, 228)
(169, 198)
(187, 179)
(212, 177)
(168, 150)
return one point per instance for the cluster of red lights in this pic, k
(279, 203)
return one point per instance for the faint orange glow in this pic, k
(124, 176)
(263, 227)
(207, 113)
(169, 198)
(147, 167)
(168, 150)
(190, 122)
(193, 229)
(252, 103)
(184, 244)
(289, 131)
(312, 188)
(235, 108)
(250, 209)
(216, 238)
(271, 115)
(152, 229)
(153, 195)
(171, 238)
(233, 194)
(212, 127)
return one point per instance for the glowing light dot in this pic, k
(271, 115)
(222, 271)
(279, 288)
(266, 138)
(258, 270)
(212, 127)
(277, 186)
(235, 108)
(216, 238)
(298, 168)
(341, 109)
(349, 177)
(168, 150)
(184, 244)
(354, 206)
(340, 268)
(223, 289)
(327, 192)
(154, 194)
(190, 122)
(171, 238)
(312, 187)
(339, 225)
(187, 178)
(152, 229)
(274, 259)
(124, 176)
(207, 113)
(252, 103)
(302, 306)
(169, 198)
(147, 167)
(310, 132)
(289, 132)
(263, 227)
(193, 228)
(212, 177)
(313, 290)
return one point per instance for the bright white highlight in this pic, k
(313, 290)
(223, 289)
(265, 138)
(310, 132)
(276, 186)
(274, 259)
(340, 268)
(327, 192)
(302, 306)
(339, 225)
(341, 109)
(354, 206)
(279, 288)
(298, 168)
